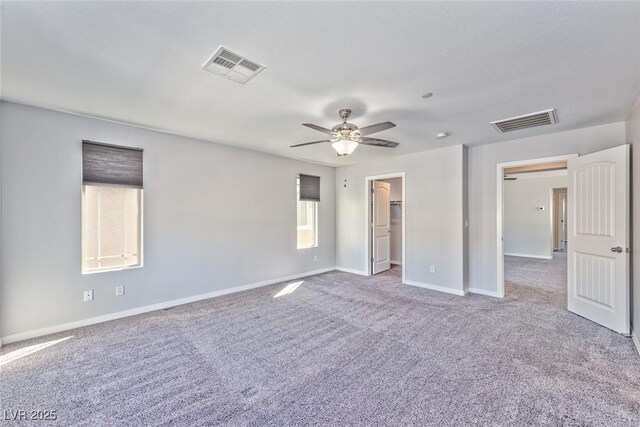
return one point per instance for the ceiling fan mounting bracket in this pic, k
(344, 113)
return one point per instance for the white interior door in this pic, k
(381, 227)
(598, 253)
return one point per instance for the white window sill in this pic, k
(110, 270)
(307, 247)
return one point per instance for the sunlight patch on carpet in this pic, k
(20, 353)
(288, 289)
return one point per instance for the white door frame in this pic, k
(500, 209)
(367, 215)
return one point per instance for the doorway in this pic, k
(534, 267)
(385, 224)
(597, 223)
(559, 214)
(525, 222)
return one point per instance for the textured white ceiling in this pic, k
(140, 62)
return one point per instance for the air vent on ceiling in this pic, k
(541, 118)
(232, 65)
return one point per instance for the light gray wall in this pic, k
(527, 230)
(1, 222)
(396, 220)
(433, 209)
(482, 186)
(633, 137)
(215, 217)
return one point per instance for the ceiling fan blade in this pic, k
(368, 130)
(309, 143)
(378, 142)
(320, 128)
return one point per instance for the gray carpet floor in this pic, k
(339, 350)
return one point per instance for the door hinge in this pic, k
(371, 259)
(628, 250)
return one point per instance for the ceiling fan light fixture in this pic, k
(344, 147)
(345, 137)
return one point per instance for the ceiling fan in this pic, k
(346, 136)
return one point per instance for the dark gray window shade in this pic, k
(111, 165)
(309, 188)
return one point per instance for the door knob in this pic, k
(616, 249)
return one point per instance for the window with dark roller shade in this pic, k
(308, 198)
(104, 164)
(309, 188)
(111, 207)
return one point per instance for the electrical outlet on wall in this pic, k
(88, 295)
(315, 258)
(432, 269)
(119, 290)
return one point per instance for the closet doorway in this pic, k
(385, 224)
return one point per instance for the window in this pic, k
(307, 230)
(307, 217)
(111, 207)
(111, 228)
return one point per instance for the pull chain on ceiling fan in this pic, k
(347, 136)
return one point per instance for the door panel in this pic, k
(595, 278)
(598, 258)
(381, 227)
(595, 185)
(382, 243)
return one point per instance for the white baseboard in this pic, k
(396, 262)
(529, 255)
(435, 287)
(484, 292)
(636, 341)
(349, 270)
(21, 336)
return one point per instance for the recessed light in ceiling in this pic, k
(427, 95)
(442, 135)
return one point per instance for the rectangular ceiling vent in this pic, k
(232, 65)
(541, 118)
